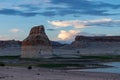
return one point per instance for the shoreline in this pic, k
(22, 73)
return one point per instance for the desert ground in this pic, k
(23, 73)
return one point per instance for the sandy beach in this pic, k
(22, 73)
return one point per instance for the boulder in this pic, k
(37, 44)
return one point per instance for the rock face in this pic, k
(98, 38)
(96, 41)
(37, 44)
(95, 45)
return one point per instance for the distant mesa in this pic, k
(36, 44)
(95, 41)
(98, 38)
(10, 43)
(10, 47)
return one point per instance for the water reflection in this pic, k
(115, 69)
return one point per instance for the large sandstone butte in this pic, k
(96, 41)
(94, 45)
(37, 44)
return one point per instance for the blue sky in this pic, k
(63, 19)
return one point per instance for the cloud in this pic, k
(91, 34)
(17, 12)
(71, 34)
(9, 12)
(85, 7)
(85, 4)
(50, 8)
(15, 30)
(60, 23)
(105, 22)
(67, 35)
(75, 23)
(4, 37)
(51, 29)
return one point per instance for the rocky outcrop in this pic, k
(96, 41)
(37, 44)
(95, 45)
(98, 38)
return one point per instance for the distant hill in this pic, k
(14, 43)
(10, 43)
(10, 48)
(56, 44)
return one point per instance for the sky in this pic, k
(62, 19)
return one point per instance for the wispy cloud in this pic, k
(15, 30)
(58, 7)
(106, 22)
(51, 29)
(4, 37)
(85, 7)
(17, 12)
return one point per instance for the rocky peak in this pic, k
(37, 36)
(37, 30)
(37, 44)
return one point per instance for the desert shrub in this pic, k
(2, 64)
(29, 67)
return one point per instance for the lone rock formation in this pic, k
(37, 44)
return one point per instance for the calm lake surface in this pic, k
(114, 69)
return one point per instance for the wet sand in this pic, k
(22, 73)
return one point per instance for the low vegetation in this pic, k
(59, 62)
(103, 57)
(2, 64)
(72, 66)
(10, 57)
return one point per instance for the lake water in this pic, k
(115, 69)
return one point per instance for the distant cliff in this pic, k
(96, 41)
(10, 43)
(10, 48)
(98, 38)
(95, 45)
